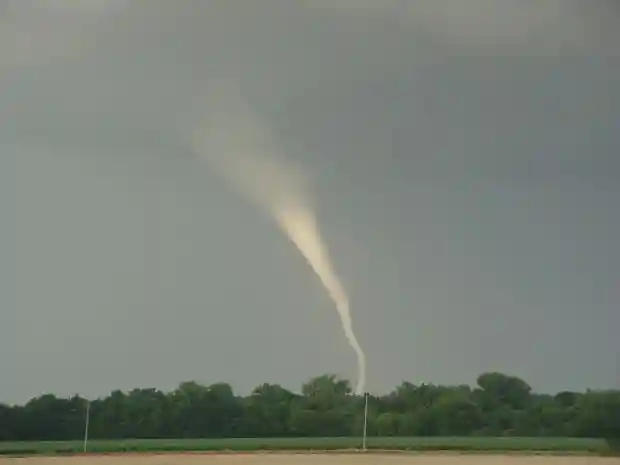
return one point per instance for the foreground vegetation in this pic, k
(463, 444)
(410, 417)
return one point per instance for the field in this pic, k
(309, 459)
(565, 446)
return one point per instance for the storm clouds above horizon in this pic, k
(465, 165)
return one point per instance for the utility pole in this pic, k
(87, 423)
(366, 395)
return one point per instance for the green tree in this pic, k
(500, 405)
(599, 416)
(500, 389)
(268, 411)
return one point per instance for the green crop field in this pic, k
(469, 444)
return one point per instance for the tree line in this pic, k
(499, 405)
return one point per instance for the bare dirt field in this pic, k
(312, 459)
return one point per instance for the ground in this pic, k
(311, 459)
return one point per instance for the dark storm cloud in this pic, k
(465, 160)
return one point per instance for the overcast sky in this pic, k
(464, 161)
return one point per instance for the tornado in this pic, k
(241, 147)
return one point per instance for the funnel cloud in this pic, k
(243, 151)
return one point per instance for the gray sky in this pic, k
(465, 164)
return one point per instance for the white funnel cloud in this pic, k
(242, 149)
